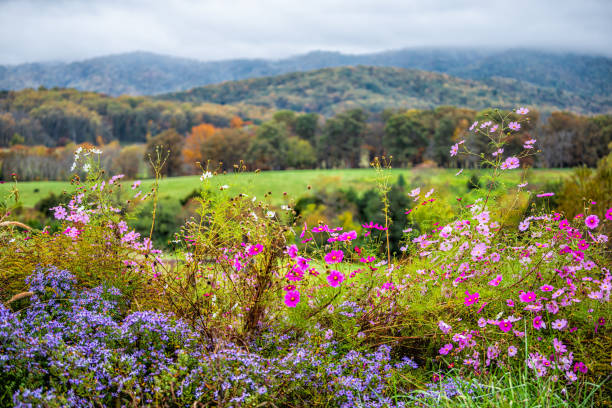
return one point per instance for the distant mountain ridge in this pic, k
(332, 90)
(142, 73)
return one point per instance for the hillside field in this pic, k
(295, 182)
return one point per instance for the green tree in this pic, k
(405, 139)
(268, 150)
(342, 139)
(306, 126)
(300, 154)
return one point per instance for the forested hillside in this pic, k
(333, 90)
(142, 73)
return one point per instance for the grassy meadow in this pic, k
(296, 183)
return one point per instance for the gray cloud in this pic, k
(37, 30)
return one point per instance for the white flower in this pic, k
(270, 214)
(224, 187)
(96, 151)
(285, 207)
(86, 167)
(206, 175)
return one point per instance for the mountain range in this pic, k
(479, 78)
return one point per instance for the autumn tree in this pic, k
(225, 148)
(192, 150)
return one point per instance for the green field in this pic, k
(295, 182)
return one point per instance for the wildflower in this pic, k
(524, 225)
(446, 349)
(505, 326)
(522, 111)
(538, 323)
(59, 212)
(493, 128)
(609, 214)
(559, 346)
(292, 251)
(545, 195)
(527, 297)
(459, 172)
(135, 184)
(496, 281)
(206, 175)
(512, 351)
(444, 327)
(529, 144)
(454, 149)
(335, 278)
(415, 192)
(552, 308)
(510, 163)
(334, 257)
(580, 366)
(514, 125)
(471, 299)
(570, 376)
(292, 298)
(474, 125)
(478, 251)
(592, 221)
(546, 288)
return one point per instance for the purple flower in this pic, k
(292, 298)
(514, 125)
(592, 221)
(335, 278)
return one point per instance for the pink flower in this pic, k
(522, 111)
(505, 326)
(512, 351)
(546, 288)
(292, 251)
(471, 299)
(538, 323)
(583, 245)
(493, 128)
(592, 221)
(59, 212)
(72, 232)
(510, 163)
(496, 281)
(334, 257)
(527, 297)
(559, 346)
(292, 298)
(335, 278)
(135, 184)
(445, 328)
(446, 349)
(609, 214)
(514, 125)
(559, 324)
(474, 125)
(564, 224)
(454, 149)
(545, 195)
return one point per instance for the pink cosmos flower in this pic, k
(522, 111)
(72, 232)
(474, 125)
(546, 288)
(446, 349)
(334, 257)
(510, 163)
(335, 278)
(559, 346)
(510, 302)
(292, 251)
(471, 299)
(592, 221)
(564, 224)
(545, 195)
(496, 281)
(527, 297)
(505, 326)
(514, 125)
(523, 225)
(493, 128)
(583, 245)
(538, 323)
(609, 214)
(445, 328)
(135, 184)
(552, 308)
(512, 351)
(59, 212)
(529, 144)
(454, 149)
(292, 298)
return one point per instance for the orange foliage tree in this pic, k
(192, 151)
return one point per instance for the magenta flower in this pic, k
(59, 212)
(471, 299)
(334, 257)
(510, 163)
(564, 224)
(505, 326)
(496, 281)
(527, 297)
(559, 346)
(514, 125)
(546, 288)
(335, 278)
(446, 349)
(512, 351)
(292, 298)
(592, 221)
(292, 251)
(538, 323)
(609, 214)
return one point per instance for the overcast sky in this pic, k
(68, 30)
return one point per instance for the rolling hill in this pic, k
(142, 73)
(331, 90)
